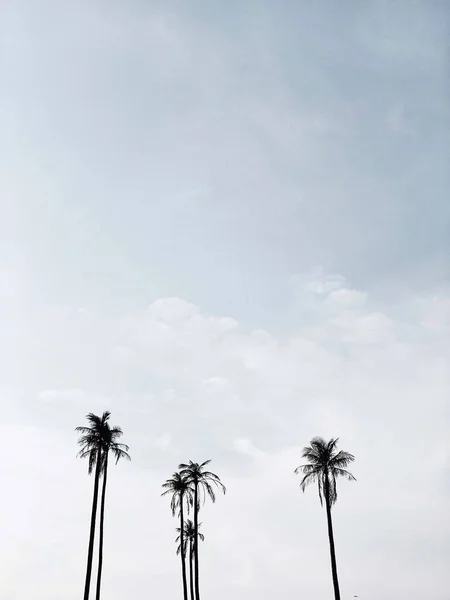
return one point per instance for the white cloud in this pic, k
(250, 400)
(347, 297)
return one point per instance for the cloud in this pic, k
(250, 399)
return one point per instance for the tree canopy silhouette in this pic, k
(90, 441)
(186, 543)
(96, 441)
(325, 464)
(110, 445)
(181, 492)
(204, 484)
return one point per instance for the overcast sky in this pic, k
(228, 223)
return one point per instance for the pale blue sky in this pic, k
(205, 150)
(282, 166)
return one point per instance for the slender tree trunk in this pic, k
(191, 569)
(183, 550)
(197, 584)
(101, 529)
(87, 584)
(337, 595)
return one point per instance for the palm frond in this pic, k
(332, 490)
(343, 473)
(180, 489)
(102, 439)
(331, 445)
(204, 482)
(116, 431)
(208, 490)
(341, 459)
(83, 429)
(119, 453)
(188, 536)
(306, 469)
(324, 466)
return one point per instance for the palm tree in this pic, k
(91, 440)
(325, 465)
(110, 435)
(189, 540)
(181, 491)
(203, 483)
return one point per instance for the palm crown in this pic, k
(180, 488)
(110, 443)
(100, 437)
(188, 536)
(324, 465)
(203, 481)
(92, 437)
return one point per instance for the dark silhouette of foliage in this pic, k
(182, 497)
(186, 541)
(204, 484)
(96, 441)
(325, 464)
(110, 445)
(90, 441)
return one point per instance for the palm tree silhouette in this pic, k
(187, 539)
(110, 435)
(91, 440)
(203, 483)
(324, 465)
(181, 491)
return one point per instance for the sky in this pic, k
(228, 224)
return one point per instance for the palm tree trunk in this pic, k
(101, 530)
(87, 584)
(191, 569)
(197, 585)
(337, 595)
(183, 550)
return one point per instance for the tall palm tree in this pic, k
(181, 491)
(203, 483)
(188, 543)
(91, 442)
(325, 465)
(110, 435)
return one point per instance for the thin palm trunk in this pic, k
(101, 529)
(337, 595)
(87, 584)
(197, 585)
(191, 569)
(183, 553)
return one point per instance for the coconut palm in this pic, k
(181, 491)
(325, 465)
(91, 441)
(109, 444)
(203, 484)
(188, 543)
